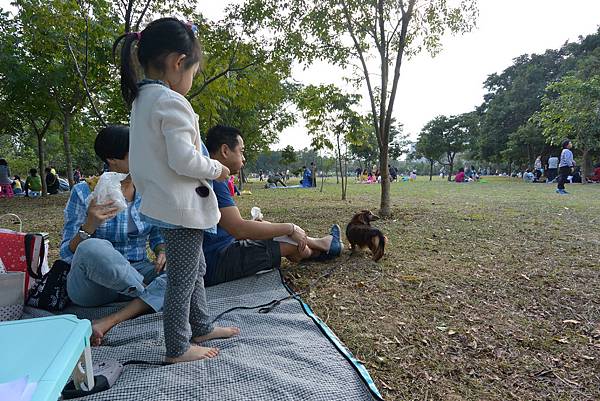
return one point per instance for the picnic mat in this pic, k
(286, 354)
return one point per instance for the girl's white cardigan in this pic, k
(166, 162)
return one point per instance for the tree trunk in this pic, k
(345, 173)
(384, 207)
(322, 182)
(67, 146)
(337, 178)
(41, 163)
(339, 154)
(585, 166)
(241, 179)
(431, 169)
(450, 167)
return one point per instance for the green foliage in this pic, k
(506, 130)
(571, 110)
(446, 136)
(42, 93)
(346, 31)
(288, 155)
(328, 114)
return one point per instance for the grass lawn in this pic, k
(486, 291)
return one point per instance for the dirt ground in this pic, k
(486, 291)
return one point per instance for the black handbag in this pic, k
(50, 292)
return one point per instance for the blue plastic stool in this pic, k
(47, 350)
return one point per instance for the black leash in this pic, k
(269, 306)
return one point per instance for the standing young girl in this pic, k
(171, 168)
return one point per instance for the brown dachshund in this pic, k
(360, 234)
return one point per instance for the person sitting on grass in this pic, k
(52, 184)
(528, 176)
(17, 186)
(460, 176)
(241, 247)
(33, 184)
(107, 249)
(596, 176)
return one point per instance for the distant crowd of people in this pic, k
(13, 185)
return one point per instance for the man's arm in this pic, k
(232, 221)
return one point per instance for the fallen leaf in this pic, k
(571, 321)
(451, 332)
(384, 384)
(561, 340)
(441, 328)
(587, 357)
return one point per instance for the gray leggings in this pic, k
(185, 314)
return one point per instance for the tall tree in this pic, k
(430, 146)
(288, 156)
(451, 134)
(346, 31)
(24, 93)
(329, 120)
(572, 110)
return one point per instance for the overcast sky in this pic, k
(451, 83)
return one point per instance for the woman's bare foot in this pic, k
(194, 353)
(218, 332)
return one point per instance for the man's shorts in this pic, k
(245, 258)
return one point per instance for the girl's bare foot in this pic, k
(99, 328)
(218, 332)
(194, 353)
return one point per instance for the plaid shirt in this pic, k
(115, 230)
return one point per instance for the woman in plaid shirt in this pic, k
(107, 250)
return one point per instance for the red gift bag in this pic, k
(23, 252)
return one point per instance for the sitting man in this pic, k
(107, 250)
(242, 247)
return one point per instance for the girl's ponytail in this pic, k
(160, 38)
(129, 79)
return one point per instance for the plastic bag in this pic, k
(108, 189)
(256, 213)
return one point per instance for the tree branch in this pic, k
(85, 85)
(139, 20)
(219, 75)
(128, 16)
(406, 18)
(363, 63)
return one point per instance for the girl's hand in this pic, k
(224, 174)
(159, 263)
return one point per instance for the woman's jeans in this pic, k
(100, 275)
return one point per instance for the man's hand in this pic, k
(98, 214)
(159, 263)
(224, 174)
(299, 236)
